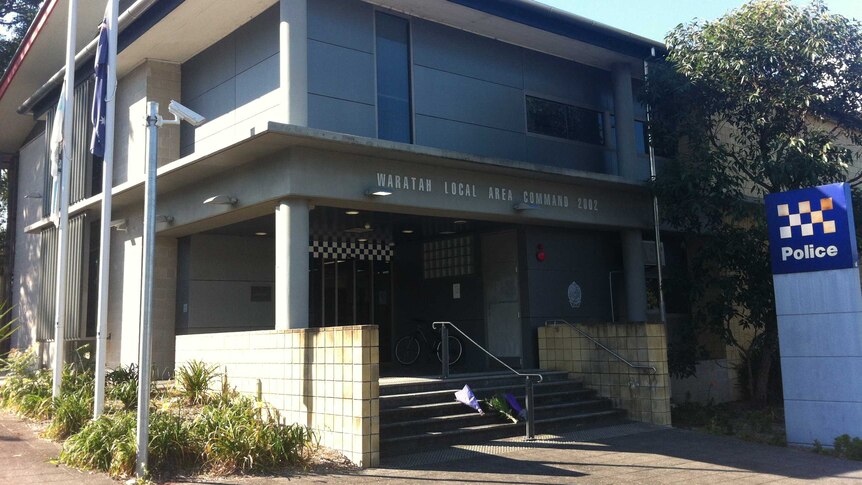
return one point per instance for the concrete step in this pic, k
(393, 386)
(450, 406)
(447, 394)
(412, 443)
(467, 418)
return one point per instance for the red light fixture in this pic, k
(540, 253)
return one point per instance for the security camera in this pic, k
(185, 114)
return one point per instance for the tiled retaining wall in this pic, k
(324, 378)
(645, 396)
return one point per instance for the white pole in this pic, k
(145, 337)
(63, 228)
(107, 185)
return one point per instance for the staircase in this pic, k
(422, 414)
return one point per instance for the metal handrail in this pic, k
(599, 344)
(529, 406)
(434, 325)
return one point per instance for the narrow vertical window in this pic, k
(393, 79)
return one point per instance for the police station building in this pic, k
(366, 167)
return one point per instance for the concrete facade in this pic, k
(291, 90)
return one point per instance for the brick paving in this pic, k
(630, 453)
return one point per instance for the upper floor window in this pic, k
(393, 78)
(545, 117)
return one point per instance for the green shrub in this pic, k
(194, 380)
(122, 386)
(106, 444)
(27, 390)
(172, 445)
(240, 435)
(70, 413)
(845, 447)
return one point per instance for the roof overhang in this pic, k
(272, 139)
(191, 26)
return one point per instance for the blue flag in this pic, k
(97, 114)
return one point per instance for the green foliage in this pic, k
(241, 434)
(106, 444)
(498, 403)
(122, 386)
(849, 448)
(761, 425)
(15, 18)
(226, 435)
(765, 99)
(194, 380)
(27, 390)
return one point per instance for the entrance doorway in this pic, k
(502, 296)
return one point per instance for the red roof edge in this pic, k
(26, 44)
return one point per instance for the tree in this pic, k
(15, 18)
(765, 99)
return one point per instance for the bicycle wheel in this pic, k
(407, 350)
(455, 350)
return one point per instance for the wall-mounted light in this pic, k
(166, 219)
(523, 206)
(261, 233)
(378, 192)
(221, 200)
(120, 225)
(33, 195)
(352, 212)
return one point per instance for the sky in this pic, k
(654, 18)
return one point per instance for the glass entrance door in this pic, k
(349, 291)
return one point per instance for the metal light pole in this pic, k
(145, 337)
(154, 121)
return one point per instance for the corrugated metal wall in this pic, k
(81, 159)
(74, 285)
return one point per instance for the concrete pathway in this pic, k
(25, 458)
(630, 453)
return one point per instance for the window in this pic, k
(641, 137)
(393, 79)
(550, 118)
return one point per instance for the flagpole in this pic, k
(63, 226)
(107, 185)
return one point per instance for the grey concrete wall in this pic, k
(234, 83)
(25, 272)
(341, 69)
(469, 91)
(215, 280)
(584, 257)
(151, 81)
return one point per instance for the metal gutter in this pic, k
(556, 21)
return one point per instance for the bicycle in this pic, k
(408, 347)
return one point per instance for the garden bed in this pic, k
(193, 430)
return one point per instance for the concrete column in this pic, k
(624, 115)
(291, 264)
(633, 269)
(293, 61)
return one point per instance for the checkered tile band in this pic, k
(806, 219)
(342, 249)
